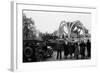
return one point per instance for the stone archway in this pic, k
(64, 29)
(68, 28)
(78, 28)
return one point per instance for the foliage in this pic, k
(28, 27)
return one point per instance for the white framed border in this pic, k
(16, 60)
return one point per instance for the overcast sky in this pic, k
(50, 21)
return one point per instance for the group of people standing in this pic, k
(78, 50)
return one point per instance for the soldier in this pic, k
(82, 49)
(76, 50)
(59, 49)
(66, 48)
(70, 49)
(89, 48)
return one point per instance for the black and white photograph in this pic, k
(50, 35)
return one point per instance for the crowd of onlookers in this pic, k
(78, 50)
